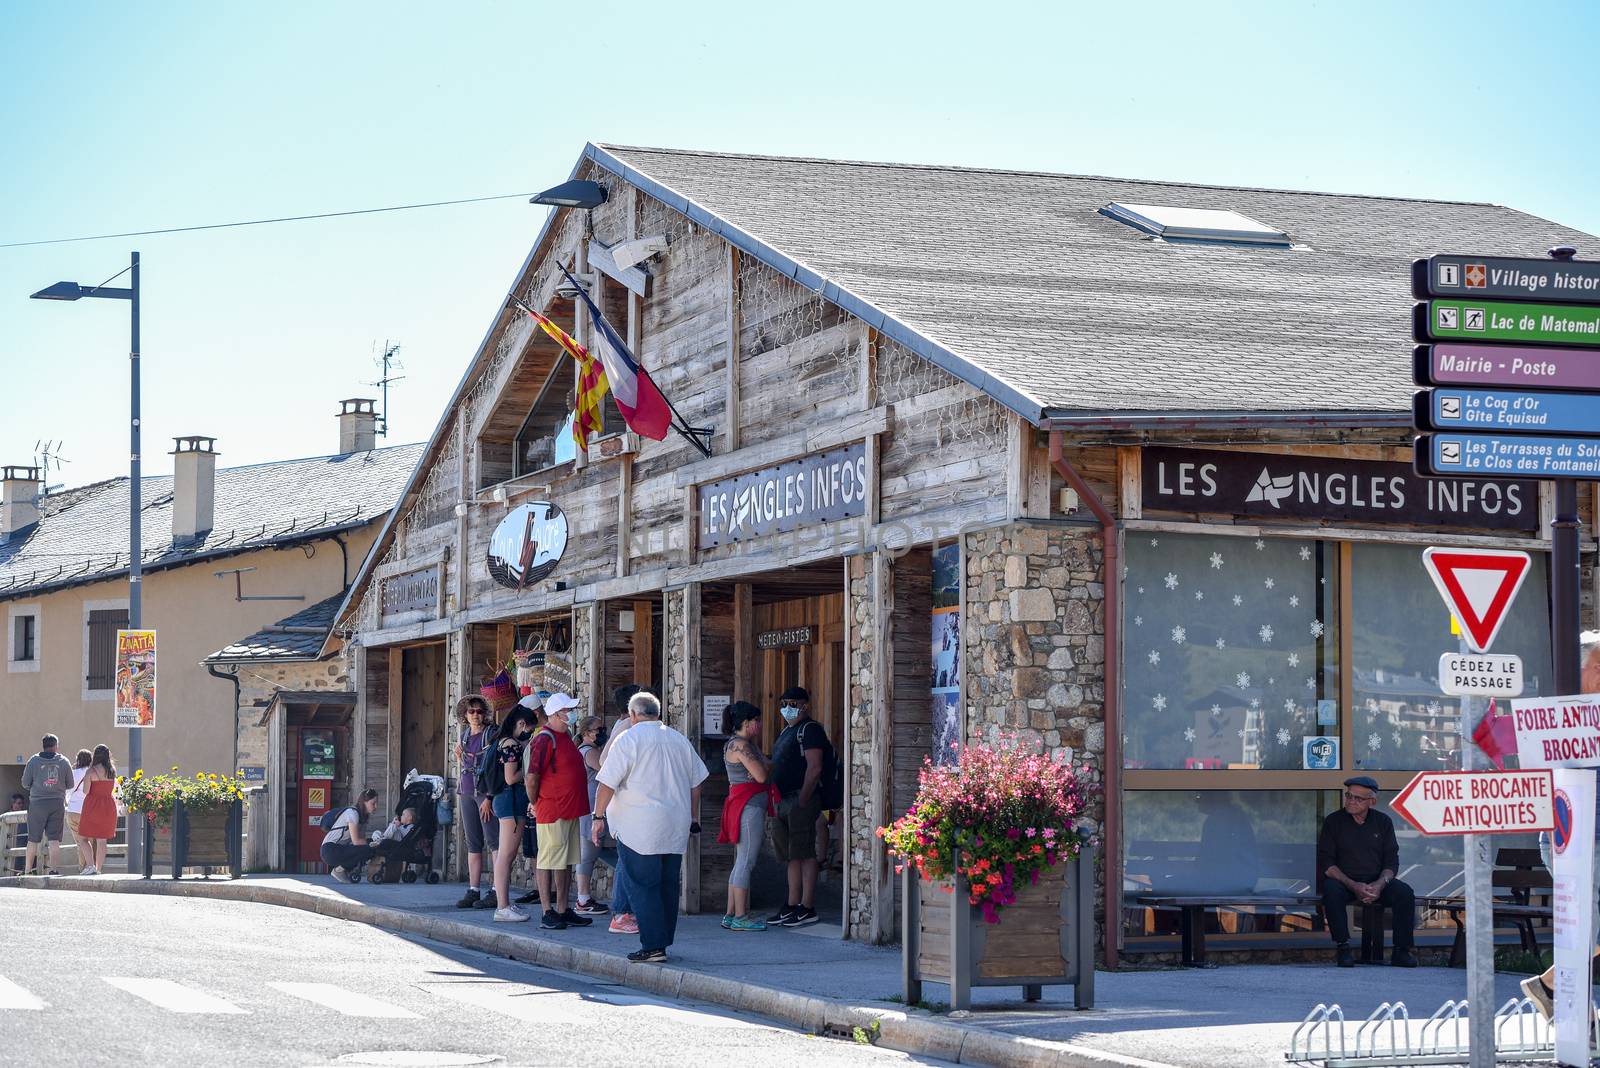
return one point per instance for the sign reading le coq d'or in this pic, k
(818, 488)
(1314, 487)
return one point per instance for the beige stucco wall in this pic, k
(194, 614)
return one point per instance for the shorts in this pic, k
(511, 804)
(794, 831)
(45, 819)
(72, 823)
(560, 847)
(479, 831)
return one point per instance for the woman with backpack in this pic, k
(344, 850)
(478, 823)
(509, 802)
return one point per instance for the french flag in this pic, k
(642, 405)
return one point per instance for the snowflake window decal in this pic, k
(1316, 628)
(1270, 582)
(1216, 561)
(1171, 580)
(1154, 657)
(1179, 635)
(1242, 680)
(1222, 643)
(1283, 736)
(1294, 659)
(1159, 703)
(1188, 734)
(1305, 552)
(1266, 633)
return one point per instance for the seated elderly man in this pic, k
(1357, 857)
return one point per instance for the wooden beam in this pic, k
(624, 514)
(882, 733)
(580, 328)
(458, 555)
(1130, 483)
(691, 728)
(815, 439)
(1038, 489)
(1016, 466)
(633, 278)
(744, 642)
(644, 650)
(868, 386)
(732, 409)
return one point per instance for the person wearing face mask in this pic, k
(590, 732)
(558, 797)
(799, 758)
(510, 802)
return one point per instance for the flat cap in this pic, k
(1363, 780)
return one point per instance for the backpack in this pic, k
(488, 773)
(830, 788)
(330, 817)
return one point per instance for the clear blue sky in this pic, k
(119, 117)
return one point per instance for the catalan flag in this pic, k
(592, 385)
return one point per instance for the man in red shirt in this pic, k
(558, 797)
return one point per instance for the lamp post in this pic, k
(74, 291)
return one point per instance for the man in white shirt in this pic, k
(649, 790)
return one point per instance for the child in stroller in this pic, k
(406, 845)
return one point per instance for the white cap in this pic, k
(531, 702)
(559, 703)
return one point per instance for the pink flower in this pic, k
(1032, 831)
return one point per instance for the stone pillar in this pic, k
(681, 703)
(1033, 642)
(588, 646)
(866, 782)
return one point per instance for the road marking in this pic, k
(13, 996)
(345, 1001)
(708, 1016)
(520, 1001)
(174, 997)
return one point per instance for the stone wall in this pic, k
(1034, 639)
(864, 844)
(675, 683)
(585, 644)
(258, 683)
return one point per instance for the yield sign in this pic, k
(1478, 585)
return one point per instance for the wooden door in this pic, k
(819, 666)
(422, 712)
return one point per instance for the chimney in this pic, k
(194, 484)
(19, 499)
(358, 425)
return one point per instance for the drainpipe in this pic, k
(233, 677)
(1113, 698)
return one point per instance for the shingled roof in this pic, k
(297, 637)
(1020, 286)
(82, 533)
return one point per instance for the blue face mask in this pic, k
(790, 713)
(572, 720)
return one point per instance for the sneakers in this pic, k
(510, 914)
(782, 914)
(527, 899)
(52, 871)
(90, 870)
(573, 919)
(1535, 990)
(340, 875)
(469, 899)
(486, 900)
(624, 923)
(552, 921)
(799, 917)
(727, 918)
(591, 908)
(743, 923)
(1403, 958)
(649, 956)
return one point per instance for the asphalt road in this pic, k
(101, 979)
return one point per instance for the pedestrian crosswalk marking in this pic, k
(345, 1001)
(174, 997)
(520, 1001)
(13, 996)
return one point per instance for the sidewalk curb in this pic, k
(911, 1033)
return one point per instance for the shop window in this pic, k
(1230, 651)
(1399, 719)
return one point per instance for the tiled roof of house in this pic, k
(298, 637)
(82, 533)
(1053, 306)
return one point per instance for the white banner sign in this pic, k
(1572, 842)
(1480, 675)
(1558, 732)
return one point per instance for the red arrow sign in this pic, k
(1478, 802)
(1478, 586)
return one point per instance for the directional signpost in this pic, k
(1508, 357)
(1478, 802)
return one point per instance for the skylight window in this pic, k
(1195, 224)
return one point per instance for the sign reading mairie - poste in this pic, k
(1306, 487)
(812, 489)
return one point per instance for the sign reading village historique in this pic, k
(1308, 487)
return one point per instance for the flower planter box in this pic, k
(207, 839)
(1045, 938)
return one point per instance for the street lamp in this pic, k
(74, 291)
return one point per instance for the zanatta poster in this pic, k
(136, 678)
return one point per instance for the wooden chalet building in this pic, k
(1120, 466)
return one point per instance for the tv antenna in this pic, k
(47, 455)
(390, 363)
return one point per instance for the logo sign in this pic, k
(1478, 586)
(1478, 802)
(1480, 675)
(1515, 366)
(527, 545)
(1467, 320)
(1506, 277)
(1558, 732)
(813, 489)
(1365, 491)
(134, 697)
(1507, 410)
(1319, 753)
(1515, 456)
(787, 638)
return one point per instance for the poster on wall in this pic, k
(135, 704)
(946, 672)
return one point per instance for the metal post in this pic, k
(136, 827)
(1565, 588)
(1478, 850)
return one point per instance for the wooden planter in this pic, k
(208, 839)
(1046, 938)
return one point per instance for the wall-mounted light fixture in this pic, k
(499, 496)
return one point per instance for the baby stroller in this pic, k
(403, 860)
